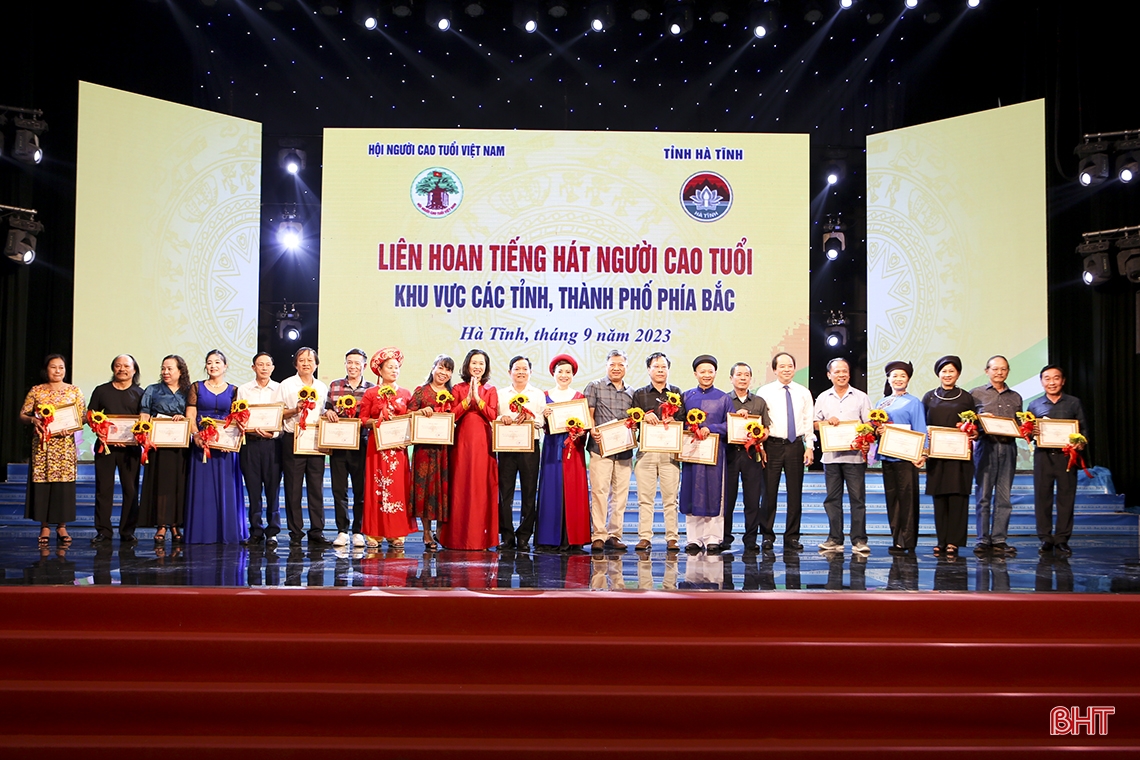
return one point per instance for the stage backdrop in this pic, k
(956, 246)
(167, 234)
(538, 243)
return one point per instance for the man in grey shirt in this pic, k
(995, 457)
(842, 403)
(609, 399)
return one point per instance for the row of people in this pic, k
(183, 487)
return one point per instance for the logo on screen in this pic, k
(706, 196)
(436, 192)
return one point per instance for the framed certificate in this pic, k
(837, 437)
(999, 426)
(662, 438)
(901, 443)
(169, 434)
(564, 410)
(737, 427)
(949, 443)
(120, 431)
(614, 437)
(515, 437)
(393, 433)
(65, 420)
(696, 451)
(342, 434)
(229, 438)
(305, 441)
(437, 430)
(1054, 434)
(265, 418)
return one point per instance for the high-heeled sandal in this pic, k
(371, 542)
(160, 536)
(176, 536)
(45, 537)
(396, 543)
(63, 539)
(430, 543)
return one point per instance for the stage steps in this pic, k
(1098, 511)
(190, 673)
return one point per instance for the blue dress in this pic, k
(215, 505)
(702, 485)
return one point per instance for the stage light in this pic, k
(1127, 167)
(21, 243)
(27, 145)
(366, 13)
(557, 8)
(526, 16)
(761, 18)
(835, 333)
(601, 15)
(289, 323)
(813, 11)
(1128, 257)
(973, 3)
(291, 159)
(1097, 267)
(438, 14)
(846, 4)
(834, 239)
(911, 4)
(290, 234)
(1093, 166)
(679, 18)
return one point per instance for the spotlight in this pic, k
(1098, 268)
(366, 13)
(846, 4)
(21, 243)
(911, 4)
(601, 15)
(438, 14)
(1128, 257)
(835, 334)
(761, 17)
(291, 159)
(526, 16)
(973, 3)
(640, 10)
(290, 233)
(27, 145)
(1127, 167)
(289, 323)
(834, 239)
(679, 17)
(1093, 166)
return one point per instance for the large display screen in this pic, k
(541, 243)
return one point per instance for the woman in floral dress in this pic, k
(430, 482)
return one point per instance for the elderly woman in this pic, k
(900, 477)
(430, 482)
(563, 490)
(388, 478)
(949, 481)
(51, 487)
(163, 500)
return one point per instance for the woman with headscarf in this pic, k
(474, 519)
(949, 481)
(563, 489)
(387, 476)
(900, 477)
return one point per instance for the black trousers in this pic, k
(308, 470)
(951, 517)
(124, 460)
(524, 465)
(1049, 470)
(345, 464)
(783, 457)
(900, 484)
(261, 468)
(741, 468)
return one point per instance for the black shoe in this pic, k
(715, 548)
(296, 538)
(766, 545)
(793, 546)
(693, 548)
(1063, 549)
(1045, 548)
(751, 549)
(506, 546)
(271, 541)
(896, 551)
(100, 539)
(983, 549)
(128, 539)
(319, 542)
(1005, 549)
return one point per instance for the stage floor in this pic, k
(1099, 564)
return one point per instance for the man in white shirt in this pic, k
(842, 403)
(309, 468)
(790, 448)
(524, 464)
(261, 457)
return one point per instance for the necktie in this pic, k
(791, 415)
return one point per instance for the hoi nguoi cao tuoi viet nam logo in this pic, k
(436, 192)
(706, 196)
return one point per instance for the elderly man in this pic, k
(121, 396)
(303, 470)
(655, 467)
(995, 457)
(744, 467)
(1051, 466)
(609, 398)
(523, 464)
(790, 448)
(702, 485)
(842, 403)
(346, 463)
(261, 457)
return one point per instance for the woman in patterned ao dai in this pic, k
(388, 497)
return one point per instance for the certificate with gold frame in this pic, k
(120, 433)
(1006, 426)
(517, 437)
(169, 434)
(662, 438)
(393, 433)
(436, 430)
(700, 451)
(65, 420)
(229, 438)
(1054, 434)
(342, 434)
(949, 443)
(738, 427)
(305, 441)
(614, 437)
(561, 411)
(901, 443)
(837, 437)
(265, 418)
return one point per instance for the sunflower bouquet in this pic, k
(443, 400)
(634, 416)
(877, 419)
(865, 435)
(142, 430)
(207, 434)
(46, 414)
(670, 406)
(969, 422)
(517, 405)
(1027, 425)
(101, 427)
(756, 434)
(307, 398)
(696, 418)
(574, 430)
(346, 406)
(239, 414)
(1073, 450)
